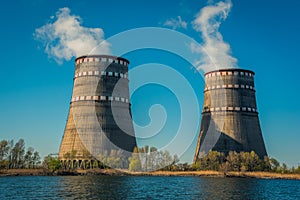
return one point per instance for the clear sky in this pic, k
(36, 89)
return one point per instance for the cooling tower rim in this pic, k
(102, 56)
(230, 69)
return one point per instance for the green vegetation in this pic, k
(15, 156)
(51, 163)
(240, 162)
(134, 161)
(149, 159)
(243, 161)
(114, 159)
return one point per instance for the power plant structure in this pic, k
(99, 121)
(230, 117)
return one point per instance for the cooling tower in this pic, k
(229, 116)
(99, 122)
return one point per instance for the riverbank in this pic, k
(24, 172)
(113, 172)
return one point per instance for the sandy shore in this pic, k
(113, 172)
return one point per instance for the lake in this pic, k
(145, 187)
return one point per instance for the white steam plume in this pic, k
(176, 23)
(65, 37)
(216, 53)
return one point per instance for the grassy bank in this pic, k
(113, 172)
(265, 175)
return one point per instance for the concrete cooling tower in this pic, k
(230, 116)
(99, 122)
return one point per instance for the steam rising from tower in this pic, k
(214, 50)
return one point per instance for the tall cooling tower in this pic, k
(229, 116)
(99, 120)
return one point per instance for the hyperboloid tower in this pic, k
(99, 123)
(230, 116)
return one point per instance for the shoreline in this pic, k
(114, 172)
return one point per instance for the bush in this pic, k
(51, 163)
(243, 161)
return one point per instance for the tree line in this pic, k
(16, 156)
(234, 161)
(150, 159)
(142, 159)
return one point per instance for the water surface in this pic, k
(146, 187)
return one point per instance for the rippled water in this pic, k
(127, 187)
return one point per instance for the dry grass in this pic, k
(272, 175)
(114, 172)
(154, 173)
(265, 175)
(187, 173)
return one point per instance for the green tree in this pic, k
(115, 159)
(51, 163)
(196, 165)
(17, 154)
(134, 161)
(4, 152)
(214, 160)
(293, 170)
(275, 165)
(183, 167)
(14, 156)
(266, 165)
(250, 161)
(284, 168)
(36, 159)
(152, 159)
(149, 158)
(165, 160)
(175, 159)
(28, 158)
(4, 149)
(144, 151)
(233, 161)
(243, 161)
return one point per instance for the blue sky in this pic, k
(36, 90)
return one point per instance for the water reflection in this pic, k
(89, 187)
(126, 187)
